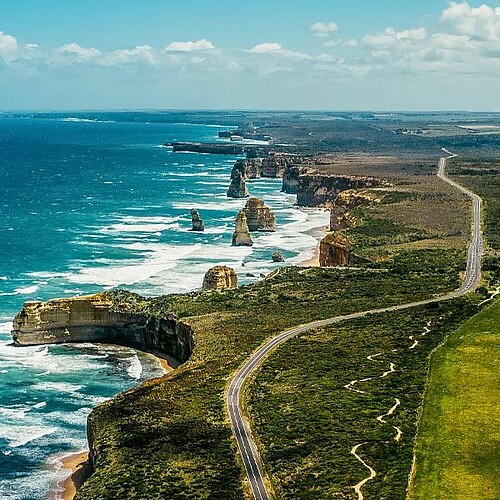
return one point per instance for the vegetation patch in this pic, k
(308, 412)
(459, 435)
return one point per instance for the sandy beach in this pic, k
(75, 469)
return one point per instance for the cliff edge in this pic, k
(95, 318)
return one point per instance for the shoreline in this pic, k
(75, 467)
(313, 261)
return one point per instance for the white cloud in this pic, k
(277, 50)
(8, 47)
(77, 53)
(190, 46)
(139, 54)
(266, 48)
(324, 30)
(392, 38)
(481, 23)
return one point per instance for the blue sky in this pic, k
(274, 54)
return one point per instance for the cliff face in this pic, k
(241, 235)
(291, 177)
(259, 217)
(319, 190)
(220, 277)
(334, 250)
(344, 202)
(92, 319)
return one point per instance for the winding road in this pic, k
(241, 429)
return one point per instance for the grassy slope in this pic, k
(459, 436)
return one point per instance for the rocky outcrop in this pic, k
(206, 147)
(196, 221)
(249, 168)
(220, 277)
(291, 177)
(321, 190)
(334, 250)
(238, 187)
(94, 318)
(241, 235)
(275, 164)
(259, 217)
(277, 257)
(344, 203)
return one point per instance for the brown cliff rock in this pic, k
(334, 250)
(259, 217)
(220, 277)
(241, 235)
(321, 190)
(93, 318)
(196, 221)
(344, 202)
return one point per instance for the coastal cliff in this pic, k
(335, 250)
(315, 190)
(344, 203)
(95, 318)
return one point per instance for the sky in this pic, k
(259, 54)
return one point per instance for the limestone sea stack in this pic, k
(259, 217)
(241, 235)
(238, 187)
(196, 221)
(220, 277)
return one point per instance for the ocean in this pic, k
(90, 202)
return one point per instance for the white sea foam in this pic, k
(6, 327)
(163, 257)
(187, 174)
(3, 278)
(26, 290)
(135, 368)
(20, 435)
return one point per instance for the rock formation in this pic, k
(196, 221)
(94, 318)
(334, 250)
(278, 257)
(249, 168)
(220, 277)
(344, 202)
(241, 235)
(291, 177)
(238, 187)
(259, 217)
(320, 190)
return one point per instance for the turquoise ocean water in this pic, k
(90, 202)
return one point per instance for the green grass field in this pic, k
(457, 453)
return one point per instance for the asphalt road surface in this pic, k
(241, 429)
